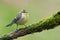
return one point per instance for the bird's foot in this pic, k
(17, 29)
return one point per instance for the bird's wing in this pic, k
(17, 17)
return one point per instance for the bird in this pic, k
(20, 19)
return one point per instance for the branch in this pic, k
(44, 24)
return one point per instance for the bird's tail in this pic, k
(10, 24)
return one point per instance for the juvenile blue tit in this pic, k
(20, 19)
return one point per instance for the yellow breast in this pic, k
(25, 16)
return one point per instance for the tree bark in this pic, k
(45, 24)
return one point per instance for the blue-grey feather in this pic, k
(18, 17)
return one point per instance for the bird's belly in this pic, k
(22, 21)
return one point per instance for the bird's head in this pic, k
(24, 11)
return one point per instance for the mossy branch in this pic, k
(44, 24)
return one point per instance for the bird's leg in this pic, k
(25, 25)
(17, 27)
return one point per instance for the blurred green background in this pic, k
(38, 9)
